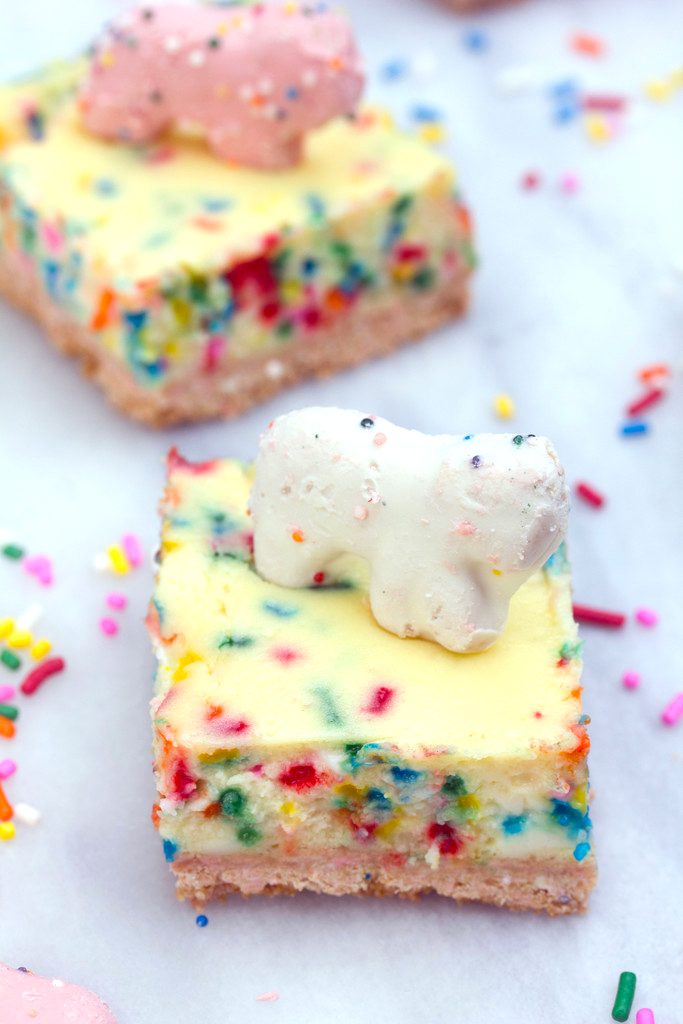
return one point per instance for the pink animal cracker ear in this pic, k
(24, 996)
(254, 80)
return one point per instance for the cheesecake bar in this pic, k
(299, 745)
(189, 287)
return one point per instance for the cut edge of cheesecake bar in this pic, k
(373, 328)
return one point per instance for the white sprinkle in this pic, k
(265, 86)
(28, 619)
(172, 44)
(196, 58)
(274, 369)
(101, 562)
(424, 65)
(57, 983)
(309, 78)
(360, 513)
(26, 814)
(246, 93)
(516, 79)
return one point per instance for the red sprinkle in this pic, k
(582, 613)
(380, 700)
(590, 495)
(590, 46)
(40, 673)
(446, 836)
(299, 776)
(531, 180)
(607, 103)
(650, 398)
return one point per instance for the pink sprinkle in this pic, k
(380, 439)
(39, 566)
(631, 680)
(645, 1016)
(267, 997)
(673, 711)
(7, 692)
(569, 183)
(646, 617)
(109, 627)
(133, 549)
(360, 513)
(380, 700)
(116, 601)
(7, 768)
(465, 528)
(285, 655)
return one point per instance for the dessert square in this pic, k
(298, 745)
(191, 288)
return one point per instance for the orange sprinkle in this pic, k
(6, 727)
(6, 811)
(590, 46)
(654, 370)
(102, 314)
(298, 536)
(156, 814)
(212, 811)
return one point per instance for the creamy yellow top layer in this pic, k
(247, 663)
(142, 210)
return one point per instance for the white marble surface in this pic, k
(574, 294)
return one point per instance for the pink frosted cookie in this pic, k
(27, 999)
(255, 80)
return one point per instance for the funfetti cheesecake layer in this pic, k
(190, 288)
(301, 746)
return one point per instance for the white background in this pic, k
(574, 294)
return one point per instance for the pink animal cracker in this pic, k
(253, 80)
(450, 527)
(25, 997)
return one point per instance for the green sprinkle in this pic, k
(402, 205)
(233, 802)
(13, 551)
(454, 785)
(10, 659)
(517, 439)
(624, 998)
(9, 711)
(342, 250)
(284, 328)
(231, 640)
(570, 650)
(424, 278)
(328, 707)
(248, 834)
(352, 749)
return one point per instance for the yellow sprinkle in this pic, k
(503, 406)
(181, 668)
(384, 830)
(597, 128)
(402, 272)
(7, 830)
(497, 572)
(469, 803)
(19, 638)
(107, 59)
(119, 562)
(40, 649)
(676, 78)
(219, 755)
(288, 807)
(432, 132)
(658, 90)
(222, 28)
(348, 791)
(291, 291)
(6, 627)
(580, 799)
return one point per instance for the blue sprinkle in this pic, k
(201, 920)
(566, 112)
(514, 824)
(215, 205)
(423, 112)
(292, 93)
(378, 799)
(581, 850)
(475, 40)
(394, 69)
(404, 776)
(468, 437)
(170, 850)
(637, 427)
(316, 206)
(136, 319)
(367, 876)
(565, 89)
(105, 187)
(283, 611)
(309, 266)
(51, 275)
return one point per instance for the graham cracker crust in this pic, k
(552, 886)
(373, 327)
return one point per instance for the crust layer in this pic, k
(374, 327)
(518, 884)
